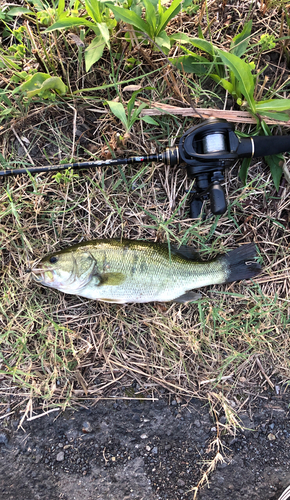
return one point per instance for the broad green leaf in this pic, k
(276, 116)
(199, 32)
(224, 83)
(150, 16)
(17, 11)
(94, 51)
(180, 37)
(241, 41)
(203, 45)
(9, 62)
(150, 120)
(93, 9)
(168, 15)
(163, 40)
(70, 21)
(243, 74)
(60, 8)
(192, 64)
(41, 82)
(130, 17)
(243, 173)
(104, 32)
(119, 111)
(273, 105)
(274, 162)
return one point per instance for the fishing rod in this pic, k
(205, 150)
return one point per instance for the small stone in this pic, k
(86, 427)
(143, 436)
(174, 402)
(113, 459)
(155, 450)
(38, 458)
(271, 437)
(167, 447)
(180, 482)
(60, 456)
(148, 448)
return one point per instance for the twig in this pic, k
(22, 144)
(230, 115)
(42, 414)
(264, 373)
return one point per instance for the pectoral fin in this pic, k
(109, 279)
(188, 297)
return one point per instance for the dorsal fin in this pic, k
(187, 252)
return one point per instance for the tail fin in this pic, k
(240, 263)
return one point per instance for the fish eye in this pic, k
(53, 260)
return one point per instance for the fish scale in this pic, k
(125, 271)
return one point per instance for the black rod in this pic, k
(87, 164)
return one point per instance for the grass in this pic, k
(61, 350)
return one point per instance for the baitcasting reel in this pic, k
(205, 149)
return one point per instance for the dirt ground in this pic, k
(153, 450)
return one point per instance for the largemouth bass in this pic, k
(139, 271)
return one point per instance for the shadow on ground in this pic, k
(130, 449)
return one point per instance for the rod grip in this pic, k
(271, 145)
(263, 145)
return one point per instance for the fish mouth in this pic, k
(42, 275)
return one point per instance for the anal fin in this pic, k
(188, 297)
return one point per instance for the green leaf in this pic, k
(150, 120)
(130, 17)
(104, 32)
(94, 51)
(243, 173)
(60, 8)
(273, 105)
(199, 32)
(241, 41)
(119, 111)
(203, 45)
(17, 11)
(180, 37)
(168, 15)
(163, 40)
(284, 117)
(224, 83)
(150, 16)
(191, 64)
(93, 9)
(274, 162)
(242, 71)
(68, 22)
(40, 83)
(136, 114)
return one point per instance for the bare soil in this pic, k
(158, 450)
